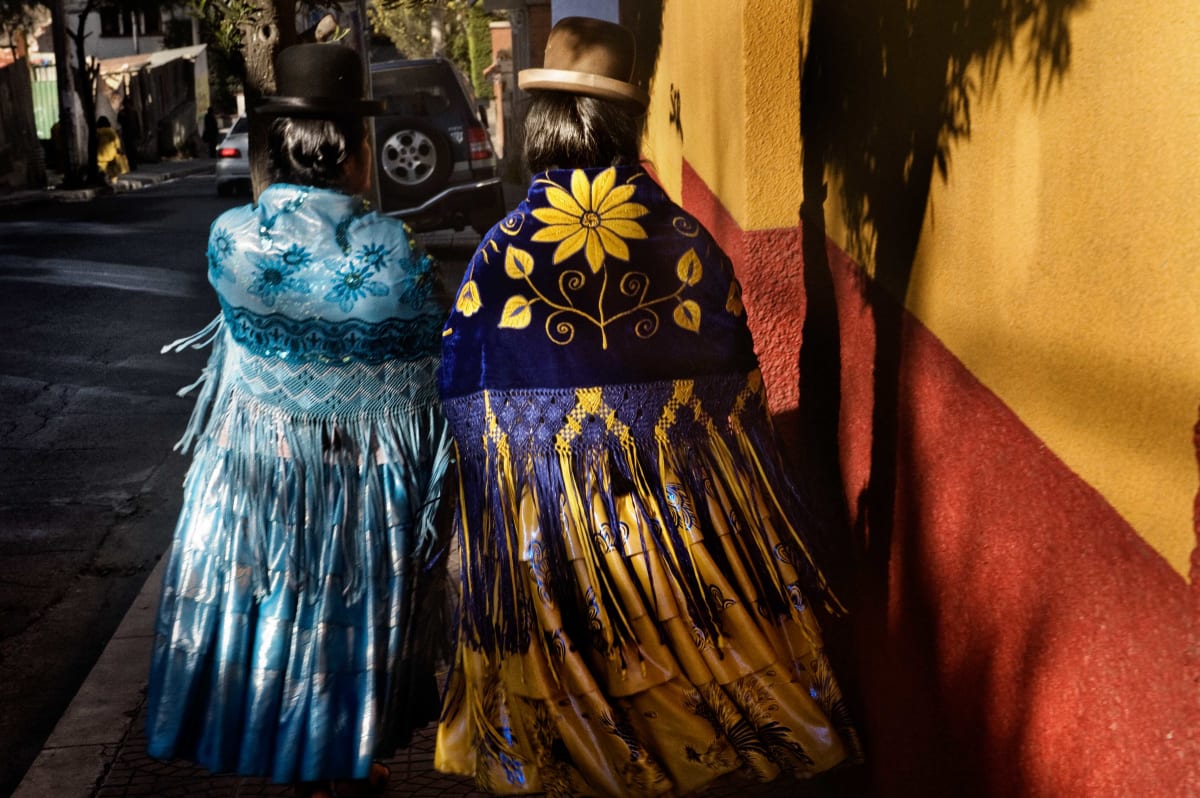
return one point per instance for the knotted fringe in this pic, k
(290, 480)
(208, 380)
(725, 461)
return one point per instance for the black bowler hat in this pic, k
(319, 80)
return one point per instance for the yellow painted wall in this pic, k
(1060, 261)
(736, 68)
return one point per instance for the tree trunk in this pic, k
(274, 28)
(65, 142)
(85, 86)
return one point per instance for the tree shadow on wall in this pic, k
(644, 18)
(887, 90)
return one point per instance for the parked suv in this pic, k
(434, 161)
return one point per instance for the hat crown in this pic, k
(319, 71)
(590, 57)
(582, 44)
(318, 80)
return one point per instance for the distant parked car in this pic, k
(233, 159)
(434, 160)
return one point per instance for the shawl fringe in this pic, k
(678, 474)
(293, 479)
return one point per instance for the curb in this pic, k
(77, 755)
(130, 181)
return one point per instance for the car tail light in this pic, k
(478, 144)
(228, 152)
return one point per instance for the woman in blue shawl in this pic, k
(636, 583)
(285, 641)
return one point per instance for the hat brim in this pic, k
(318, 106)
(582, 83)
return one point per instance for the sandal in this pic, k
(379, 778)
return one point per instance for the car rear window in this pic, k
(240, 126)
(413, 91)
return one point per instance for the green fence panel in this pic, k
(45, 106)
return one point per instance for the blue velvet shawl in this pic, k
(598, 349)
(596, 278)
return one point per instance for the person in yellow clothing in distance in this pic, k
(110, 156)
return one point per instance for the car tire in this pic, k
(414, 159)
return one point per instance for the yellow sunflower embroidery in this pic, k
(595, 217)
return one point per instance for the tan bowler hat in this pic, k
(588, 56)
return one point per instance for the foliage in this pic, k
(479, 49)
(222, 22)
(406, 23)
(20, 15)
(466, 39)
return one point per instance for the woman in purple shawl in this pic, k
(636, 582)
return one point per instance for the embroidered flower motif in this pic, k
(595, 217)
(468, 299)
(352, 284)
(296, 256)
(220, 247)
(372, 255)
(275, 275)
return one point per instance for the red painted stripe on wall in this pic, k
(1020, 638)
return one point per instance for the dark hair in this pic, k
(313, 152)
(571, 131)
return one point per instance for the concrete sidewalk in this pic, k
(147, 174)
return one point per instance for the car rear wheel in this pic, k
(414, 159)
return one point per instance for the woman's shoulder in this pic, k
(374, 224)
(236, 222)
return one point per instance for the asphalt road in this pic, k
(89, 484)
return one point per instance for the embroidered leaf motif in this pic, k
(517, 263)
(687, 315)
(516, 314)
(688, 268)
(733, 303)
(468, 299)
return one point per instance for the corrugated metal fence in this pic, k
(45, 99)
